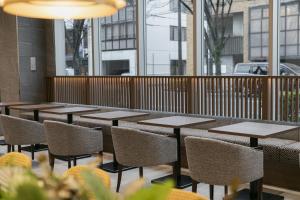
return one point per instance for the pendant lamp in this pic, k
(62, 9)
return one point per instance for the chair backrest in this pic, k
(140, 149)
(19, 131)
(220, 163)
(71, 140)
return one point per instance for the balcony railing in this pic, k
(273, 98)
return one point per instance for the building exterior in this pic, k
(118, 39)
(248, 34)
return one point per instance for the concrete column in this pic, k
(141, 39)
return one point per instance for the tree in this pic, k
(75, 33)
(217, 13)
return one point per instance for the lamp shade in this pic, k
(62, 9)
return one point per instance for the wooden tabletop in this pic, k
(36, 107)
(70, 110)
(115, 115)
(253, 129)
(16, 103)
(176, 121)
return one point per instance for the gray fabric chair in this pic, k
(218, 163)
(20, 132)
(69, 142)
(137, 148)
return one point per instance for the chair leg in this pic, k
(69, 163)
(8, 148)
(260, 188)
(101, 157)
(211, 192)
(32, 152)
(141, 170)
(194, 186)
(75, 161)
(120, 167)
(51, 161)
(225, 189)
(13, 147)
(19, 148)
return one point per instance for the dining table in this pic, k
(176, 123)
(114, 117)
(70, 111)
(36, 108)
(6, 105)
(254, 131)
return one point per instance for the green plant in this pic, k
(22, 184)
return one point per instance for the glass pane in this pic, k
(255, 40)
(291, 50)
(77, 42)
(256, 13)
(165, 54)
(291, 22)
(255, 26)
(292, 9)
(119, 54)
(289, 37)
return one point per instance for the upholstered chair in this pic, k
(220, 163)
(140, 149)
(69, 142)
(20, 132)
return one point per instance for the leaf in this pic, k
(154, 192)
(95, 186)
(29, 191)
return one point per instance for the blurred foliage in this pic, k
(17, 183)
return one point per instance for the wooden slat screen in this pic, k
(224, 96)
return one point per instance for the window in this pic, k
(76, 46)
(259, 33)
(163, 51)
(290, 36)
(119, 29)
(175, 67)
(227, 35)
(174, 33)
(118, 41)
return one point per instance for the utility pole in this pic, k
(180, 63)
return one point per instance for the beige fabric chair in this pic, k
(219, 163)
(68, 142)
(137, 148)
(20, 132)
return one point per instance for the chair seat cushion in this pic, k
(290, 154)
(272, 147)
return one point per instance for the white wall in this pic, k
(160, 50)
(122, 55)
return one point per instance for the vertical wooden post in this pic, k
(132, 95)
(266, 103)
(189, 95)
(87, 91)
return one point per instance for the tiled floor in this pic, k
(155, 172)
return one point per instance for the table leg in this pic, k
(7, 111)
(36, 116)
(113, 167)
(182, 181)
(255, 192)
(70, 118)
